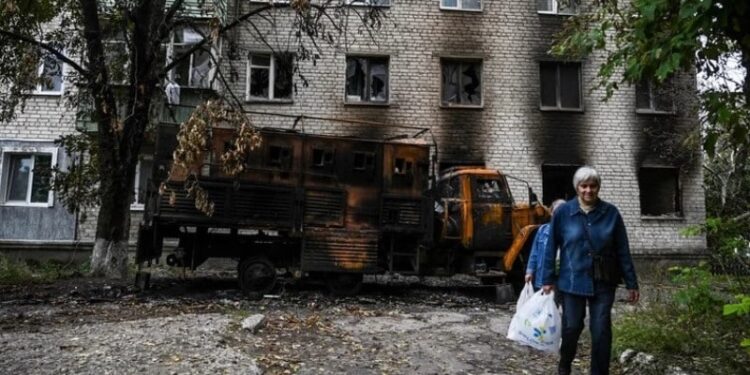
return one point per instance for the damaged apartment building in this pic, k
(473, 76)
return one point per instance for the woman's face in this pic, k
(588, 192)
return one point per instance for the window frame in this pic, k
(556, 9)
(170, 56)
(462, 60)
(558, 93)
(366, 3)
(135, 205)
(40, 70)
(652, 98)
(368, 78)
(459, 7)
(5, 177)
(271, 80)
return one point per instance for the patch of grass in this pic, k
(33, 271)
(689, 328)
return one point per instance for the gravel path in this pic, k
(194, 327)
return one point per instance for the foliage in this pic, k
(656, 39)
(688, 327)
(20, 272)
(742, 307)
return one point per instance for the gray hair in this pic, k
(586, 173)
(555, 205)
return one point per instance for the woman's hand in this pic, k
(633, 295)
(529, 278)
(547, 288)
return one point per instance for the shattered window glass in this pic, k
(270, 76)
(462, 83)
(366, 79)
(51, 72)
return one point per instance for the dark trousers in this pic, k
(600, 325)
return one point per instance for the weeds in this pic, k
(690, 327)
(32, 271)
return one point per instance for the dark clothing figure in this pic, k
(584, 230)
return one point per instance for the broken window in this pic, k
(192, 70)
(660, 191)
(366, 79)
(402, 166)
(280, 156)
(269, 76)
(557, 6)
(560, 85)
(50, 73)
(489, 190)
(462, 83)
(461, 4)
(650, 97)
(557, 182)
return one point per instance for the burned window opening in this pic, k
(557, 182)
(660, 191)
(653, 98)
(367, 79)
(462, 83)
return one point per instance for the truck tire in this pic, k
(257, 276)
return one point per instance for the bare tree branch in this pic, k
(48, 48)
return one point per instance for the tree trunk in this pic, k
(110, 254)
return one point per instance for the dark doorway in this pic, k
(557, 182)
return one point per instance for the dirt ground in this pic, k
(193, 325)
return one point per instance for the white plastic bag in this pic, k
(537, 323)
(526, 293)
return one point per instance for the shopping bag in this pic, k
(537, 323)
(526, 293)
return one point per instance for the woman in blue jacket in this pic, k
(594, 255)
(534, 267)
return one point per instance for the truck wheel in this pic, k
(344, 284)
(257, 276)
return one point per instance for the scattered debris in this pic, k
(253, 323)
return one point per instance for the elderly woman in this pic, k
(594, 257)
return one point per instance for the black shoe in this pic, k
(563, 370)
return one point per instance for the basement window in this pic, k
(659, 191)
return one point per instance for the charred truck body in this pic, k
(336, 208)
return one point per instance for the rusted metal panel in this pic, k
(339, 250)
(324, 207)
(401, 211)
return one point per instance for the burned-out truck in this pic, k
(333, 209)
